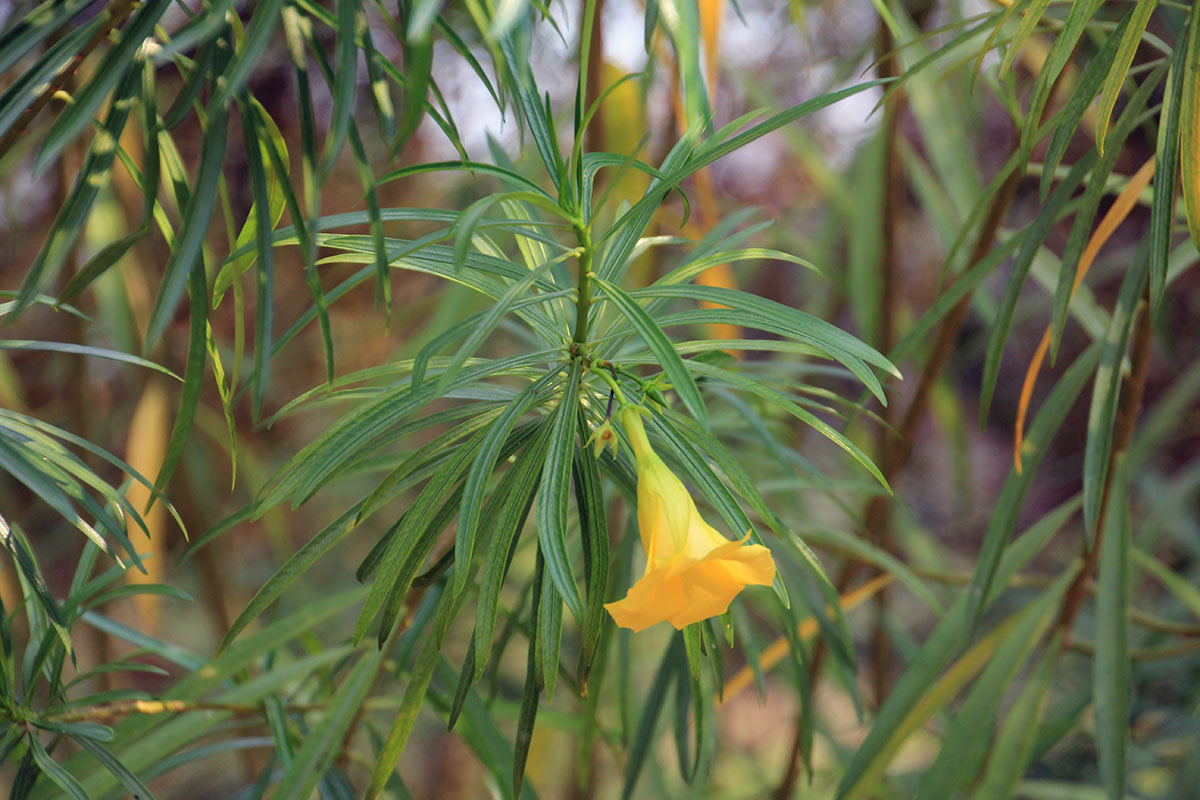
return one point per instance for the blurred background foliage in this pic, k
(310, 309)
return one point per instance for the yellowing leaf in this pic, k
(1112, 220)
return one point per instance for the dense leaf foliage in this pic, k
(235, 177)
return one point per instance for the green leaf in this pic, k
(906, 707)
(324, 740)
(259, 32)
(776, 317)
(23, 35)
(193, 377)
(264, 317)
(406, 717)
(1130, 39)
(593, 520)
(421, 16)
(1081, 230)
(515, 178)
(548, 622)
(1045, 425)
(534, 663)
(966, 741)
(360, 428)
(344, 88)
(94, 174)
(117, 60)
(85, 350)
(1034, 9)
(1177, 584)
(1060, 53)
(1014, 743)
(787, 404)
(673, 366)
(54, 772)
(673, 662)
(1078, 103)
(409, 546)
(98, 264)
(383, 282)
(1035, 234)
(509, 520)
(553, 491)
(533, 112)
(684, 160)
(287, 574)
(418, 66)
(1111, 679)
(49, 480)
(1166, 170)
(1189, 131)
(488, 322)
(27, 87)
(131, 782)
(1106, 390)
(476, 482)
(185, 256)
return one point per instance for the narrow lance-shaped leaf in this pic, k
(967, 740)
(1067, 121)
(1045, 425)
(510, 519)
(185, 254)
(297, 34)
(1084, 218)
(94, 174)
(344, 88)
(1106, 389)
(383, 282)
(673, 662)
(1111, 666)
(23, 35)
(193, 378)
(477, 478)
(264, 319)
(112, 67)
(553, 492)
(1034, 236)
(1060, 53)
(1189, 131)
(1166, 169)
(593, 519)
(262, 26)
(324, 740)
(418, 66)
(533, 674)
(406, 717)
(1130, 40)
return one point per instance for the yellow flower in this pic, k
(692, 572)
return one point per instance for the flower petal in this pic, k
(692, 571)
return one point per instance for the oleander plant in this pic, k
(606, 398)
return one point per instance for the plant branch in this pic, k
(583, 300)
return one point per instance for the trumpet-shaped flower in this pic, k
(692, 571)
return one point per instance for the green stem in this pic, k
(584, 298)
(602, 373)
